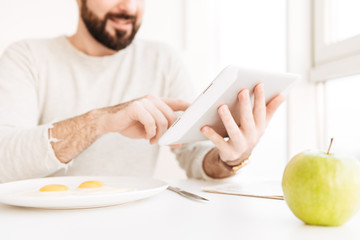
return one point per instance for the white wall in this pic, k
(303, 104)
(21, 19)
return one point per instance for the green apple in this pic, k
(322, 188)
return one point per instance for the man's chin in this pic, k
(118, 40)
(117, 44)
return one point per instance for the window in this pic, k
(343, 16)
(335, 69)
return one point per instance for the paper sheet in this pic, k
(268, 189)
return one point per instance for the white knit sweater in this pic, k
(44, 81)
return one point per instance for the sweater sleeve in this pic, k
(25, 150)
(190, 156)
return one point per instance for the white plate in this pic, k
(26, 193)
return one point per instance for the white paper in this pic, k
(268, 189)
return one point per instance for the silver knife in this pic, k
(186, 194)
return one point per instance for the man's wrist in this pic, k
(215, 167)
(240, 161)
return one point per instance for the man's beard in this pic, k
(96, 27)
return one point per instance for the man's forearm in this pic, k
(74, 135)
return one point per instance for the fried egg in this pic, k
(54, 188)
(91, 184)
(97, 187)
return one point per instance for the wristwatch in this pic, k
(235, 168)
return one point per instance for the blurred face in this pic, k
(113, 23)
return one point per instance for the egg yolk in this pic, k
(54, 188)
(91, 184)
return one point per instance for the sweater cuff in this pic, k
(52, 163)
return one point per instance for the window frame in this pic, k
(331, 60)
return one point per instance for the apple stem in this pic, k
(331, 141)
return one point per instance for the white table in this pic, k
(170, 216)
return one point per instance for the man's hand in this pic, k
(243, 138)
(147, 117)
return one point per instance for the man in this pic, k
(97, 102)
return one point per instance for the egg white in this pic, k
(100, 190)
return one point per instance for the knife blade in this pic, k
(186, 194)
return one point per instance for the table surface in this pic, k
(170, 216)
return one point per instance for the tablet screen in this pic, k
(224, 90)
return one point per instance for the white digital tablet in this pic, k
(224, 90)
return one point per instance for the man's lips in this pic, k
(122, 22)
